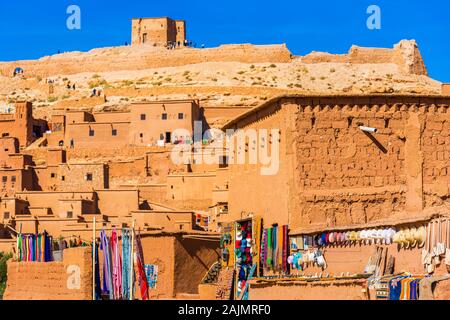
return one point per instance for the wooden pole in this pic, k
(132, 261)
(93, 259)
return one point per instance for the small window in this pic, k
(180, 116)
(13, 179)
(69, 214)
(171, 187)
(89, 176)
(5, 134)
(6, 149)
(63, 178)
(91, 132)
(6, 215)
(114, 132)
(143, 116)
(53, 175)
(4, 178)
(164, 116)
(141, 135)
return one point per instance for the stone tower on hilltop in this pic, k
(158, 31)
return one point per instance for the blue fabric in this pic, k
(395, 289)
(152, 275)
(126, 255)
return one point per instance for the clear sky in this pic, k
(33, 28)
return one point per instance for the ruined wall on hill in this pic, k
(405, 54)
(145, 57)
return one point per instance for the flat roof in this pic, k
(94, 123)
(157, 18)
(389, 99)
(165, 101)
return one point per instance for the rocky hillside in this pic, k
(228, 76)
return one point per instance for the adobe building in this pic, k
(346, 162)
(399, 171)
(158, 31)
(146, 124)
(16, 173)
(21, 124)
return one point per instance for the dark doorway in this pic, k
(168, 137)
(37, 131)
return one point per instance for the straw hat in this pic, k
(358, 236)
(421, 236)
(412, 237)
(347, 236)
(405, 235)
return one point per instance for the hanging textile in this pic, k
(139, 264)
(98, 289)
(107, 287)
(404, 287)
(126, 256)
(285, 249)
(116, 266)
(280, 249)
(151, 271)
(34, 247)
(269, 248)
(264, 249)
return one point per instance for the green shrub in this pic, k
(3, 271)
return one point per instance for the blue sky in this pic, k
(34, 28)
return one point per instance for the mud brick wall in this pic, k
(345, 177)
(334, 153)
(70, 279)
(435, 144)
(298, 290)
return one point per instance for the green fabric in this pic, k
(269, 247)
(19, 245)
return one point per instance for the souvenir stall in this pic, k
(244, 255)
(240, 244)
(254, 252)
(397, 258)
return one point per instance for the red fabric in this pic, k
(139, 262)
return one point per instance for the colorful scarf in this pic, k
(269, 248)
(107, 271)
(126, 256)
(139, 263)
